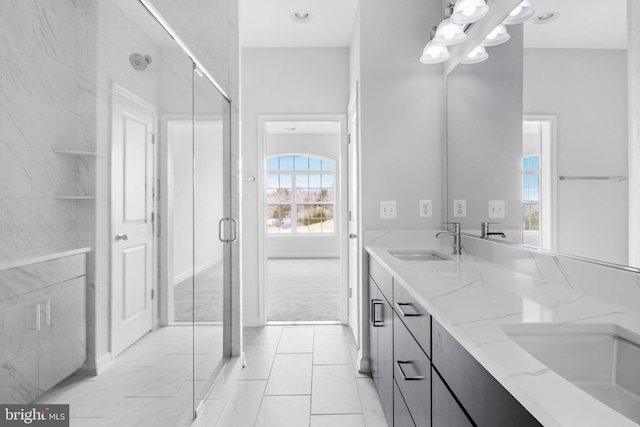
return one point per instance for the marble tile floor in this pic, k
(149, 384)
(298, 376)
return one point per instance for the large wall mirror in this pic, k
(542, 129)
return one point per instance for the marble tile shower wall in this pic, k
(38, 115)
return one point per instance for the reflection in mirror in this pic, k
(570, 161)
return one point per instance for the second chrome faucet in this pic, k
(485, 233)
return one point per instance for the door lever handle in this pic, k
(122, 237)
(353, 236)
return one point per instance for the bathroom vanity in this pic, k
(42, 323)
(471, 340)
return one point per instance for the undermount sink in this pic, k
(418, 255)
(601, 359)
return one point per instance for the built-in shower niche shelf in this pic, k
(75, 197)
(77, 153)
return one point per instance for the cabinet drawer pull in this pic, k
(47, 315)
(38, 317)
(373, 318)
(399, 306)
(399, 364)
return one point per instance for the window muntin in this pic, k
(301, 195)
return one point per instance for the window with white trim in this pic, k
(301, 194)
(531, 193)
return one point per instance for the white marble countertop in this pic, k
(471, 297)
(37, 257)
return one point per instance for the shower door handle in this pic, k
(234, 222)
(234, 229)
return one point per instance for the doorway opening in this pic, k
(304, 250)
(539, 182)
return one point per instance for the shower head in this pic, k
(139, 62)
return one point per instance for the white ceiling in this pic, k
(582, 24)
(267, 23)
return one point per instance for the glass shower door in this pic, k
(213, 232)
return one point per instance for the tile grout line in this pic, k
(268, 378)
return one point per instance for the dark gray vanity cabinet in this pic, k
(486, 401)
(423, 375)
(446, 411)
(401, 414)
(381, 336)
(412, 373)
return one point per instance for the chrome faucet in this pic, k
(457, 238)
(485, 233)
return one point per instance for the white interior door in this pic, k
(132, 228)
(355, 291)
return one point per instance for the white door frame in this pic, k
(118, 90)
(548, 182)
(357, 321)
(343, 224)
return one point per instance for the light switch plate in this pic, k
(496, 209)
(426, 209)
(388, 210)
(459, 208)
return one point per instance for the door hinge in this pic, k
(153, 293)
(153, 138)
(350, 292)
(348, 138)
(349, 215)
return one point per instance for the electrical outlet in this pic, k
(388, 210)
(496, 209)
(459, 208)
(426, 209)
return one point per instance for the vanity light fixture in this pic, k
(469, 11)
(478, 54)
(448, 33)
(434, 54)
(498, 36)
(301, 16)
(520, 14)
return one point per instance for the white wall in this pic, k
(208, 198)
(401, 115)
(484, 113)
(322, 145)
(280, 81)
(633, 14)
(587, 90)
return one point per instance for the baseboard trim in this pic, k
(252, 322)
(104, 362)
(189, 273)
(363, 365)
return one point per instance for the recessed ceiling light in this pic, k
(301, 16)
(546, 17)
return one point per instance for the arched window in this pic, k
(301, 194)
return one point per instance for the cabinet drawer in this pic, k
(383, 279)
(486, 401)
(401, 414)
(416, 318)
(412, 372)
(446, 411)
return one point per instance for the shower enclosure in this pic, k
(117, 221)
